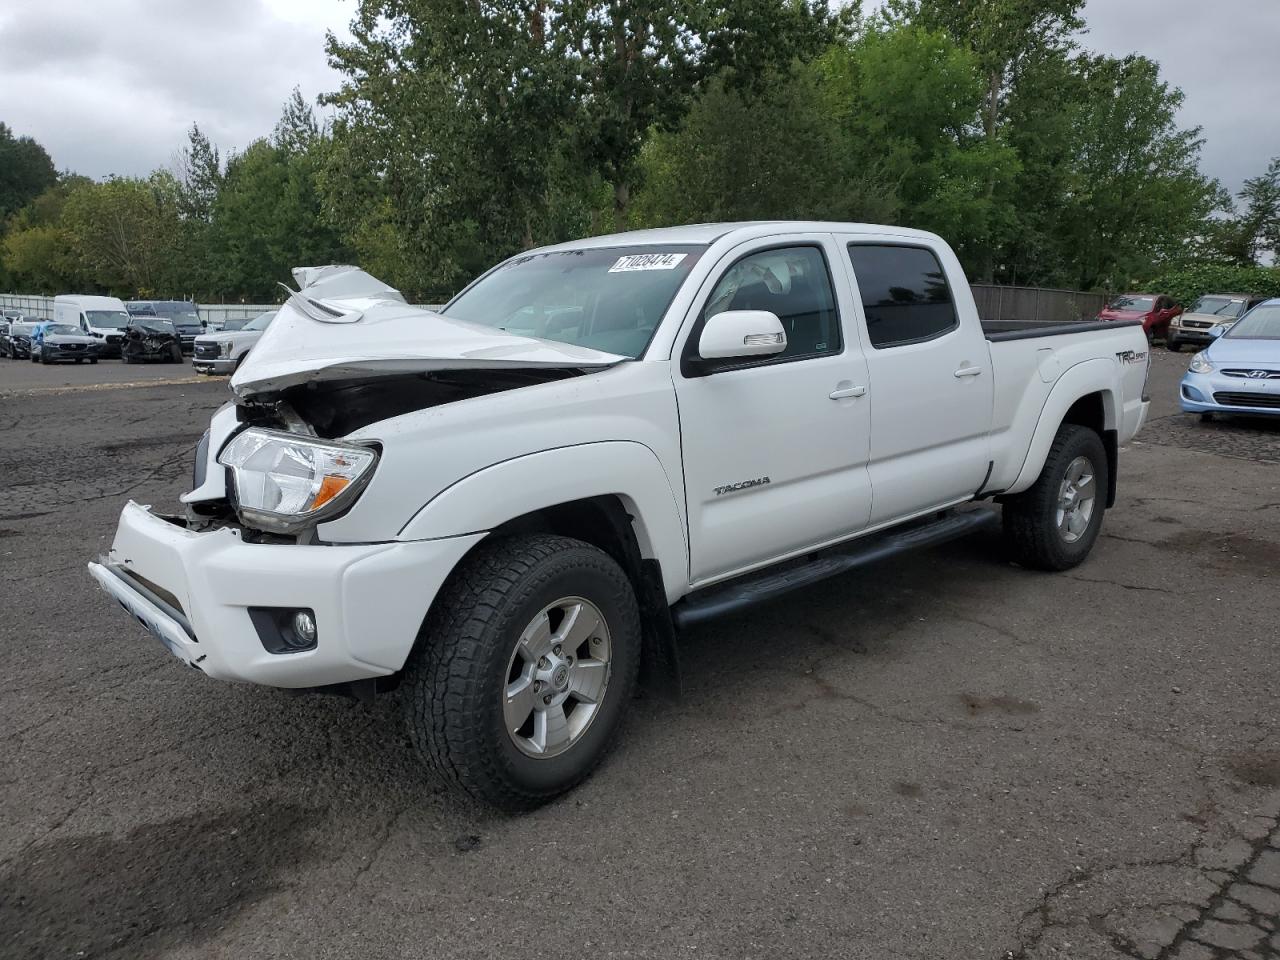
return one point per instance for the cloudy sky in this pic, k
(111, 86)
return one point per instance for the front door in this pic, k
(930, 379)
(775, 449)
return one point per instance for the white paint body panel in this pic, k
(850, 442)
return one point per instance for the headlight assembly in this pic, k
(1200, 364)
(285, 482)
(224, 349)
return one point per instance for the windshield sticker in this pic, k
(647, 261)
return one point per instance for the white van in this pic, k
(103, 318)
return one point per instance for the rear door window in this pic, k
(904, 292)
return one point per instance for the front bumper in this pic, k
(369, 600)
(1211, 393)
(1190, 335)
(220, 365)
(54, 354)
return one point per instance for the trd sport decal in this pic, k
(1131, 356)
(741, 485)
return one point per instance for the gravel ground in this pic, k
(941, 757)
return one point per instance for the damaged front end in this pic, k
(346, 352)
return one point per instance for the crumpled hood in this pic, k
(355, 335)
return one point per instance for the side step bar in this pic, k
(756, 588)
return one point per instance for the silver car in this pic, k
(1211, 310)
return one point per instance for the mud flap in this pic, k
(659, 655)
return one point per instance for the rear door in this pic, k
(775, 448)
(929, 376)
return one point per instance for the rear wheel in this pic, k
(523, 669)
(1053, 525)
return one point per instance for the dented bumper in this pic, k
(195, 592)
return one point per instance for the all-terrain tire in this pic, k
(1030, 518)
(456, 677)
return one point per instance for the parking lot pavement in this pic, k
(941, 757)
(22, 376)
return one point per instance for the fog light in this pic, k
(1192, 394)
(304, 625)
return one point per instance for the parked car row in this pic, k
(93, 328)
(1239, 372)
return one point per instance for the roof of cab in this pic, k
(708, 233)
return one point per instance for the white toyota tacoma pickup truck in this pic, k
(510, 508)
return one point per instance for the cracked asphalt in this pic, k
(941, 757)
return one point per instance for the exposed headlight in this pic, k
(1200, 364)
(284, 482)
(224, 348)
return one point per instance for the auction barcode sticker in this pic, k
(647, 261)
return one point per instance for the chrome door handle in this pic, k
(848, 392)
(968, 372)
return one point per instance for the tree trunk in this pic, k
(621, 199)
(990, 118)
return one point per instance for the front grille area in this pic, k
(1248, 374)
(1198, 324)
(115, 339)
(206, 351)
(1270, 401)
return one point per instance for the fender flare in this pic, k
(512, 488)
(1090, 376)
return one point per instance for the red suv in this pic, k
(1155, 310)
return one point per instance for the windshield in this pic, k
(151, 325)
(608, 299)
(21, 329)
(107, 319)
(228, 325)
(65, 329)
(1142, 304)
(1260, 323)
(260, 321)
(1218, 306)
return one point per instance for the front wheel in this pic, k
(523, 669)
(1053, 524)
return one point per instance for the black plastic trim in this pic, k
(754, 588)
(1060, 329)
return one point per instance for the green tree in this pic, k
(908, 100)
(485, 123)
(267, 219)
(1136, 198)
(198, 169)
(26, 171)
(795, 165)
(1254, 231)
(1004, 36)
(123, 231)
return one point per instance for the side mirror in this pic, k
(1217, 330)
(741, 333)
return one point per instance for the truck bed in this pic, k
(1000, 330)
